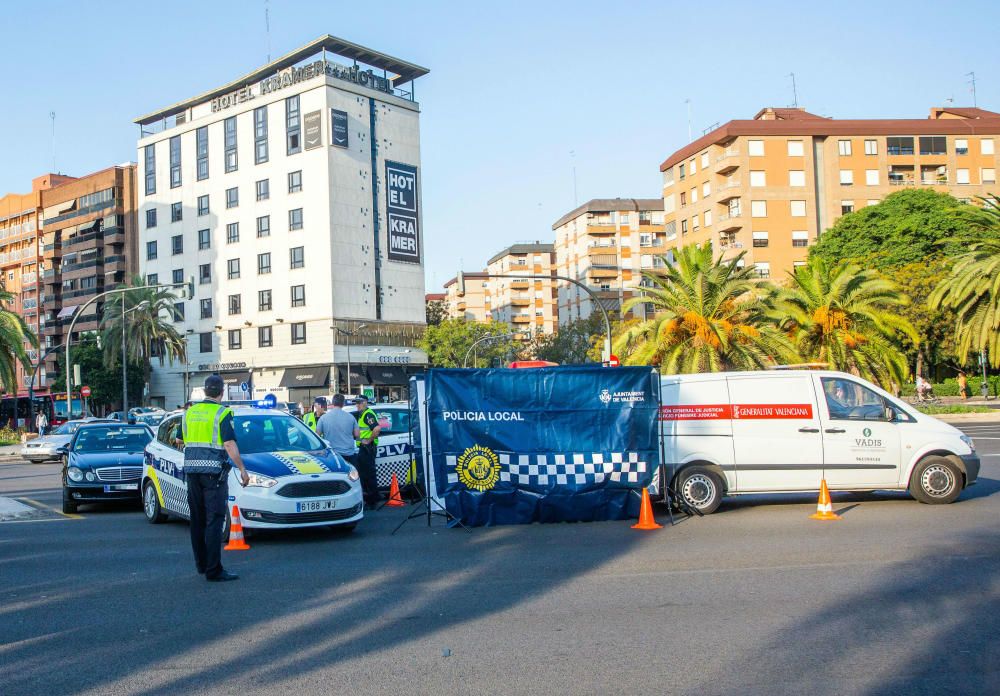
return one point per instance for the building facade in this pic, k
(292, 197)
(477, 302)
(769, 186)
(606, 244)
(528, 305)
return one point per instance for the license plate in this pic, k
(315, 505)
(121, 487)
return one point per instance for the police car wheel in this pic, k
(701, 488)
(151, 504)
(936, 481)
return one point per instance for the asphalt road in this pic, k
(897, 597)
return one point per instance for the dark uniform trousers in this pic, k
(207, 498)
(366, 470)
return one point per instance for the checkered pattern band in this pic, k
(564, 469)
(174, 497)
(385, 468)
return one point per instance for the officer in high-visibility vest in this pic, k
(319, 408)
(367, 449)
(209, 444)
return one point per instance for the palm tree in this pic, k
(13, 334)
(710, 315)
(972, 289)
(845, 316)
(148, 330)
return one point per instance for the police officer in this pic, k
(319, 408)
(367, 448)
(209, 444)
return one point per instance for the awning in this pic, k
(234, 379)
(66, 312)
(387, 374)
(358, 375)
(305, 377)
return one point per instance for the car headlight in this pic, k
(353, 473)
(90, 476)
(968, 440)
(261, 481)
(74, 474)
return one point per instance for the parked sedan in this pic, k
(103, 462)
(48, 447)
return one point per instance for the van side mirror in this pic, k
(890, 414)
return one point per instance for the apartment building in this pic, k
(292, 196)
(528, 305)
(606, 243)
(769, 186)
(89, 245)
(477, 302)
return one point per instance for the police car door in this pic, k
(166, 458)
(861, 446)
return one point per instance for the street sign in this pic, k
(85, 391)
(244, 386)
(613, 361)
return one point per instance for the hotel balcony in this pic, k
(728, 191)
(730, 222)
(727, 161)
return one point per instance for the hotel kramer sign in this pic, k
(293, 76)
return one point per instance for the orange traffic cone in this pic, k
(824, 508)
(395, 500)
(236, 540)
(646, 520)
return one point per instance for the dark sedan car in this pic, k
(103, 463)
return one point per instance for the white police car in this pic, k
(295, 479)
(394, 454)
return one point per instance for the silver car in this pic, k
(47, 447)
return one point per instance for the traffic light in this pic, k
(460, 280)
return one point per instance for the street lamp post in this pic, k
(350, 335)
(491, 337)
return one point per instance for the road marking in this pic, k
(43, 506)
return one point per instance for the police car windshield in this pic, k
(112, 440)
(272, 432)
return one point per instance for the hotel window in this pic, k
(235, 339)
(681, 168)
(704, 160)
(298, 295)
(846, 207)
(961, 176)
(175, 161)
(205, 274)
(800, 239)
(292, 125)
(149, 168)
(298, 333)
(235, 305)
(263, 300)
(151, 218)
(796, 177)
(694, 224)
(762, 269)
(798, 208)
(177, 244)
(758, 178)
(177, 276)
(988, 175)
(760, 239)
(295, 219)
(961, 146)
(933, 145)
(263, 263)
(684, 199)
(986, 146)
(871, 147)
(795, 148)
(151, 279)
(708, 218)
(233, 269)
(684, 227)
(232, 233)
(755, 148)
(297, 257)
(203, 205)
(694, 166)
(260, 135)
(706, 190)
(204, 239)
(201, 152)
(205, 343)
(295, 181)
(232, 197)
(150, 250)
(264, 226)
(176, 212)
(758, 209)
(899, 145)
(844, 147)
(263, 189)
(232, 161)
(846, 177)
(871, 177)
(206, 309)
(265, 338)
(694, 196)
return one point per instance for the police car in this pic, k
(295, 479)
(394, 453)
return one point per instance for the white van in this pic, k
(728, 433)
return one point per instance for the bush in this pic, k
(10, 436)
(949, 387)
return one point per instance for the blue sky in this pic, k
(513, 89)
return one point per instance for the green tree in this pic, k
(447, 343)
(14, 333)
(435, 312)
(148, 331)
(710, 316)
(847, 317)
(105, 383)
(573, 342)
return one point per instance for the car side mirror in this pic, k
(890, 414)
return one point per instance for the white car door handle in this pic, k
(835, 430)
(808, 430)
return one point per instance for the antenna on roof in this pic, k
(52, 115)
(972, 82)
(795, 92)
(267, 29)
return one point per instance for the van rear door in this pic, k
(776, 432)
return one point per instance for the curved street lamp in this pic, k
(489, 337)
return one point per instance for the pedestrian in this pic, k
(209, 444)
(367, 448)
(42, 423)
(319, 408)
(963, 385)
(340, 430)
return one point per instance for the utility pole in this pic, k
(972, 81)
(795, 93)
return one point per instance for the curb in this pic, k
(969, 417)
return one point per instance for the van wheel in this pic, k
(936, 481)
(701, 488)
(151, 504)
